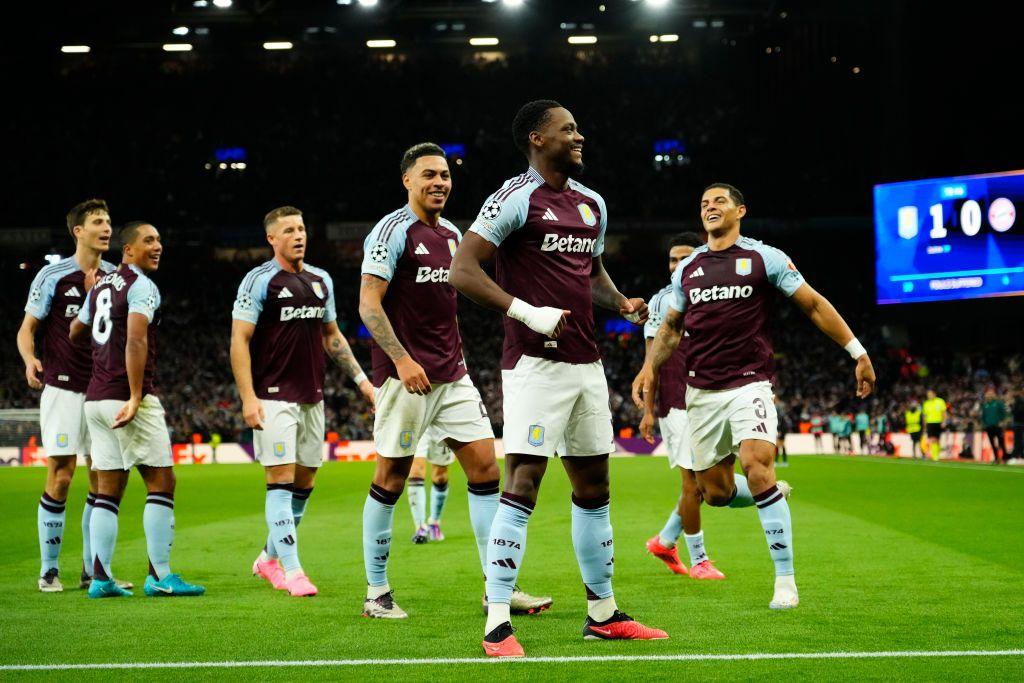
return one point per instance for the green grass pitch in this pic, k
(890, 556)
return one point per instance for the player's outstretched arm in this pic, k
(27, 349)
(337, 347)
(605, 294)
(827, 319)
(468, 276)
(241, 368)
(371, 310)
(136, 348)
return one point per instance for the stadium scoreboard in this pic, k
(949, 238)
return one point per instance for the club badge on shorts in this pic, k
(405, 439)
(587, 214)
(62, 440)
(279, 449)
(743, 266)
(536, 437)
(318, 290)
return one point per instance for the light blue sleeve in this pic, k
(599, 244)
(384, 246)
(144, 298)
(40, 294)
(330, 311)
(252, 292)
(657, 311)
(781, 271)
(499, 218)
(85, 312)
(677, 300)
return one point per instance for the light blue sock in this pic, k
(103, 535)
(592, 541)
(90, 500)
(158, 523)
(743, 497)
(773, 509)
(483, 504)
(416, 492)
(670, 532)
(506, 546)
(300, 497)
(50, 520)
(438, 497)
(378, 518)
(278, 510)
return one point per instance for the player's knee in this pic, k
(717, 497)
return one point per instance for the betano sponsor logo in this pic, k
(698, 294)
(570, 244)
(301, 312)
(428, 274)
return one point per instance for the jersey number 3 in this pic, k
(102, 325)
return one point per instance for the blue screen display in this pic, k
(949, 238)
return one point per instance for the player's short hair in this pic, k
(686, 239)
(79, 212)
(130, 231)
(733, 191)
(278, 213)
(529, 118)
(423, 149)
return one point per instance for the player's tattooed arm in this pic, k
(605, 294)
(337, 347)
(371, 310)
(665, 344)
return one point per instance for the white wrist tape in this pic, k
(360, 378)
(543, 319)
(855, 349)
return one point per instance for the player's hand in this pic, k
(366, 389)
(560, 326)
(32, 372)
(865, 373)
(127, 413)
(412, 376)
(634, 310)
(647, 427)
(638, 386)
(252, 413)
(90, 278)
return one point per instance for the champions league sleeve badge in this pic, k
(491, 210)
(379, 252)
(743, 266)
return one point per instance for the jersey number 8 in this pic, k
(102, 326)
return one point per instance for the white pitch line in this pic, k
(895, 654)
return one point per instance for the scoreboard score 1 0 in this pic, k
(949, 238)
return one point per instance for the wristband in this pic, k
(855, 349)
(360, 378)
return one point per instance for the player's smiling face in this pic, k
(718, 212)
(563, 143)
(288, 238)
(429, 182)
(146, 249)
(95, 231)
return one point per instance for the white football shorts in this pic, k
(551, 403)
(143, 441)
(292, 433)
(62, 422)
(720, 420)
